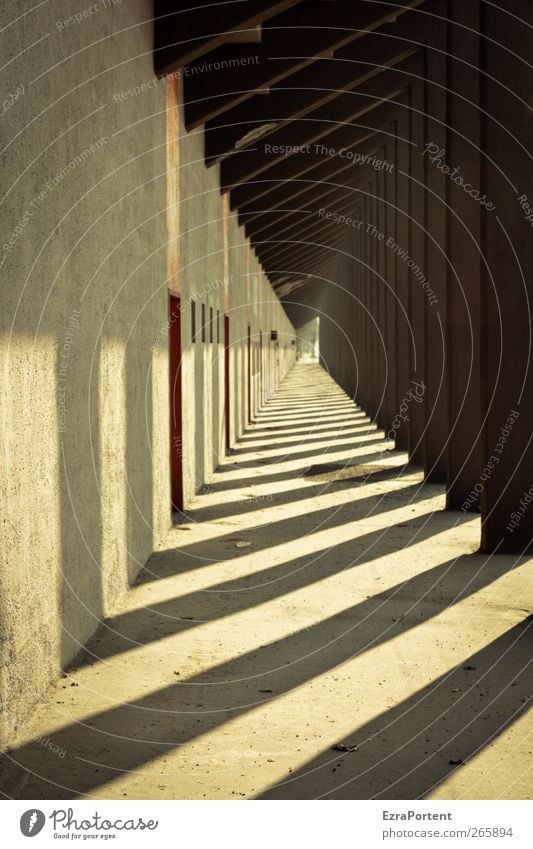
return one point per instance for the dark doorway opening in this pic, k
(250, 419)
(261, 395)
(227, 398)
(176, 433)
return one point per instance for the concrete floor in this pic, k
(317, 597)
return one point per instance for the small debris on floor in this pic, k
(456, 761)
(342, 747)
(469, 666)
(243, 544)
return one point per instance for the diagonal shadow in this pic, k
(125, 738)
(309, 423)
(148, 624)
(300, 455)
(412, 748)
(315, 434)
(308, 420)
(275, 477)
(315, 411)
(333, 482)
(302, 439)
(219, 549)
(317, 406)
(359, 473)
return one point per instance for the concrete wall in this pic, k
(84, 296)
(84, 334)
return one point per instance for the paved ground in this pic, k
(320, 627)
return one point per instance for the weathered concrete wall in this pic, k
(84, 296)
(84, 333)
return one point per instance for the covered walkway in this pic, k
(318, 625)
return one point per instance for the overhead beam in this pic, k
(309, 129)
(182, 35)
(383, 87)
(258, 215)
(295, 247)
(283, 290)
(314, 193)
(296, 190)
(339, 199)
(233, 85)
(316, 198)
(287, 247)
(312, 266)
(312, 87)
(312, 255)
(305, 253)
(310, 226)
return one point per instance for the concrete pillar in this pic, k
(381, 215)
(365, 288)
(464, 234)
(391, 304)
(507, 285)
(373, 298)
(358, 326)
(416, 252)
(435, 271)
(401, 240)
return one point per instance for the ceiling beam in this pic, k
(307, 131)
(285, 289)
(340, 199)
(299, 247)
(310, 270)
(298, 190)
(182, 35)
(307, 256)
(238, 79)
(386, 86)
(304, 92)
(316, 230)
(318, 197)
(259, 215)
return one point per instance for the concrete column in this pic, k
(435, 271)
(391, 304)
(365, 288)
(358, 328)
(374, 298)
(507, 286)
(400, 240)
(464, 235)
(381, 217)
(416, 252)
(352, 309)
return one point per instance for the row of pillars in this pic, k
(434, 277)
